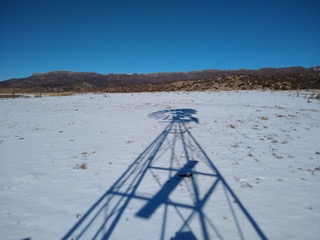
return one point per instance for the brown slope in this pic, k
(273, 78)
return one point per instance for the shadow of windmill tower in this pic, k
(172, 190)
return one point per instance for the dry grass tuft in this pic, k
(81, 166)
(265, 118)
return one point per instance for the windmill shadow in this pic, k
(172, 190)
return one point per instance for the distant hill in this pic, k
(242, 79)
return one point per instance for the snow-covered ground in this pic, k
(113, 166)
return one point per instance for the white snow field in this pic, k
(201, 165)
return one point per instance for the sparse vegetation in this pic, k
(61, 83)
(265, 118)
(81, 166)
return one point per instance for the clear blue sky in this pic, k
(119, 36)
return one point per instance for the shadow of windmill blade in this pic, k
(173, 186)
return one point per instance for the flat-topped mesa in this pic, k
(62, 72)
(65, 73)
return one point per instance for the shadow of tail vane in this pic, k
(172, 190)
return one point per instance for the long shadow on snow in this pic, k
(172, 160)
